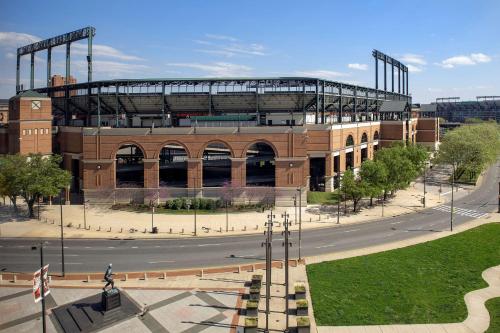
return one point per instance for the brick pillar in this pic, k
(291, 171)
(195, 172)
(238, 172)
(151, 172)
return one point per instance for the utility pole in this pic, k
(269, 263)
(338, 206)
(300, 221)
(152, 216)
(227, 219)
(295, 206)
(85, 214)
(62, 234)
(286, 244)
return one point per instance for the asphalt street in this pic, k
(90, 255)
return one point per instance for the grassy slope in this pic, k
(323, 198)
(493, 306)
(424, 283)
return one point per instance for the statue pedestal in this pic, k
(110, 299)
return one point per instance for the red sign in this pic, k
(37, 292)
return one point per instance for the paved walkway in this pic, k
(106, 223)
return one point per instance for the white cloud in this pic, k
(221, 37)
(222, 69)
(413, 68)
(465, 60)
(16, 39)
(360, 67)
(99, 50)
(415, 59)
(322, 73)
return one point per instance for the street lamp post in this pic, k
(286, 244)
(425, 181)
(300, 221)
(452, 186)
(269, 264)
(62, 234)
(42, 287)
(85, 214)
(227, 219)
(38, 206)
(295, 207)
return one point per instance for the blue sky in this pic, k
(451, 47)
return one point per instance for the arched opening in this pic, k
(349, 141)
(375, 136)
(129, 167)
(349, 153)
(364, 138)
(173, 166)
(260, 165)
(216, 165)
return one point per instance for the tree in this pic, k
(353, 188)
(12, 168)
(374, 175)
(469, 148)
(42, 177)
(400, 169)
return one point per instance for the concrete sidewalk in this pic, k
(107, 223)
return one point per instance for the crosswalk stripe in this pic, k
(461, 211)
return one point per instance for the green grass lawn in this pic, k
(424, 283)
(493, 306)
(321, 198)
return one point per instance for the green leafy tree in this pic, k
(374, 175)
(12, 168)
(42, 177)
(400, 169)
(353, 188)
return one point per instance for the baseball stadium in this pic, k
(259, 138)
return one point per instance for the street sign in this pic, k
(37, 292)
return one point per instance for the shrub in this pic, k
(210, 204)
(220, 203)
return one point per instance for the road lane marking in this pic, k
(351, 230)
(161, 261)
(88, 247)
(111, 247)
(324, 246)
(157, 246)
(71, 255)
(74, 263)
(398, 222)
(135, 247)
(200, 245)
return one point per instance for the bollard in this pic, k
(319, 217)
(99, 228)
(88, 278)
(50, 278)
(245, 228)
(310, 219)
(182, 231)
(257, 227)
(220, 229)
(79, 225)
(126, 276)
(201, 273)
(145, 276)
(145, 230)
(164, 275)
(121, 230)
(15, 278)
(170, 231)
(238, 270)
(232, 229)
(109, 229)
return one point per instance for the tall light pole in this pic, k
(227, 219)
(62, 234)
(42, 287)
(425, 180)
(85, 214)
(452, 185)
(338, 207)
(300, 221)
(269, 264)
(286, 244)
(295, 207)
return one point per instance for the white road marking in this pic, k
(88, 247)
(157, 246)
(74, 263)
(71, 255)
(445, 193)
(209, 245)
(65, 247)
(324, 246)
(351, 230)
(161, 261)
(134, 247)
(461, 211)
(111, 247)
(398, 222)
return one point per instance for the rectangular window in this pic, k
(24, 132)
(36, 131)
(29, 132)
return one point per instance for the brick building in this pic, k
(260, 139)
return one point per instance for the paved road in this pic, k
(138, 255)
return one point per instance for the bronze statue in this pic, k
(108, 277)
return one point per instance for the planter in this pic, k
(300, 291)
(254, 296)
(302, 307)
(252, 308)
(303, 325)
(251, 325)
(257, 279)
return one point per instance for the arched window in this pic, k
(349, 141)
(260, 168)
(216, 165)
(364, 138)
(129, 167)
(375, 136)
(173, 166)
